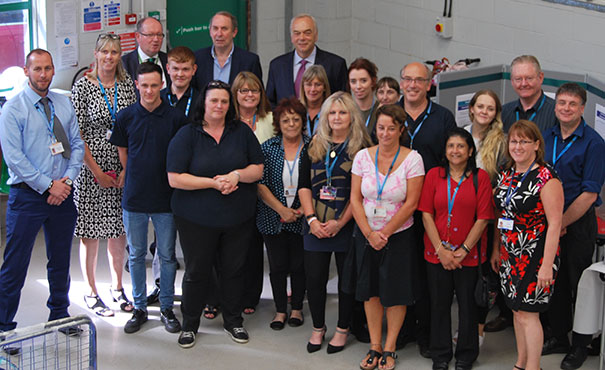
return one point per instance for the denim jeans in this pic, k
(136, 225)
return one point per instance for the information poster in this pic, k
(462, 106)
(599, 120)
(68, 51)
(91, 16)
(127, 41)
(65, 22)
(111, 13)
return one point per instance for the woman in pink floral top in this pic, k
(385, 188)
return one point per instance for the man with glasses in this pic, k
(149, 36)
(223, 60)
(574, 149)
(526, 77)
(427, 124)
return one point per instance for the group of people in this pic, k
(325, 160)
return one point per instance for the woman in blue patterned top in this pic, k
(279, 213)
(324, 190)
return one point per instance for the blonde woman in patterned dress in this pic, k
(97, 98)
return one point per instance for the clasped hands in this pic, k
(451, 259)
(58, 192)
(326, 229)
(226, 184)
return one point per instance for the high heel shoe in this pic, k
(316, 347)
(334, 349)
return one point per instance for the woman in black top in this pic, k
(213, 164)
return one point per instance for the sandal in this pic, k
(97, 306)
(210, 312)
(519, 368)
(383, 360)
(372, 360)
(125, 304)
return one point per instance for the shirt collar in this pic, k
(156, 112)
(33, 96)
(310, 58)
(579, 131)
(144, 56)
(519, 106)
(230, 53)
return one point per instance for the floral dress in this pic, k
(522, 248)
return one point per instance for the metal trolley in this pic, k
(69, 343)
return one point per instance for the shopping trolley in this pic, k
(45, 346)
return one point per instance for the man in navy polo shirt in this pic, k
(142, 134)
(575, 150)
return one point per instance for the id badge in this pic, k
(380, 211)
(108, 134)
(327, 193)
(290, 191)
(56, 148)
(505, 223)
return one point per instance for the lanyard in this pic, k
(169, 95)
(428, 111)
(115, 100)
(291, 169)
(380, 187)
(509, 192)
(556, 157)
(50, 123)
(371, 111)
(314, 125)
(452, 198)
(330, 167)
(531, 118)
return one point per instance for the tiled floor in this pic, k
(154, 348)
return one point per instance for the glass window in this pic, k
(15, 33)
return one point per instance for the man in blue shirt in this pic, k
(142, 133)
(575, 150)
(43, 150)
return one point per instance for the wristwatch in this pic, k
(69, 183)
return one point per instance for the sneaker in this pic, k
(139, 317)
(239, 335)
(171, 323)
(186, 339)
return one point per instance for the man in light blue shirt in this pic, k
(42, 147)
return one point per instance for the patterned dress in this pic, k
(522, 248)
(99, 209)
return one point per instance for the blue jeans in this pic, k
(137, 225)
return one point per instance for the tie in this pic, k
(151, 60)
(299, 75)
(57, 129)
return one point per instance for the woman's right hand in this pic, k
(377, 240)
(448, 260)
(317, 230)
(495, 260)
(106, 181)
(288, 215)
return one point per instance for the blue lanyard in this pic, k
(452, 198)
(380, 187)
(509, 192)
(169, 95)
(314, 125)
(536, 112)
(371, 111)
(556, 157)
(330, 167)
(50, 123)
(428, 111)
(115, 100)
(291, 169)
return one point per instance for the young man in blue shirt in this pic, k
(142, 134)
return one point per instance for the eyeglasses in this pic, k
(246, 91)
(111, 36)
(529, 79)
(522, 142)
(417, 80)
(151, 35)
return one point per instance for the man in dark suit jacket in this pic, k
(223, 60)
(284, 69)
(149, 36)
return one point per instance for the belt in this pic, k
(21, 185)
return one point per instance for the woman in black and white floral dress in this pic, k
(97, 98)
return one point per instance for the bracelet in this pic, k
(310, 220)
(438, 248)
(310, 216)
(467, 249)
(237, 173)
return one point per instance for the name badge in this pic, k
(327, 193)
(56, 148)
(505, 224)
(108, 134)
(380, 211)
(290, 191)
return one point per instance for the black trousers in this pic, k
(200, 247)
(442, 285)
(577, 248)
(317, 269)
(286, 256)
(253, 270)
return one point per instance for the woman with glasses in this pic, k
(529, 203)
(362, 83)
(315, 89)
(324, 189)
(213, 165)
(387, 91)
(97, 98)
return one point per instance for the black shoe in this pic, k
(139, 317)
(238, 335)
(316, 347)
(334, 349)
(295, 321)
(553, 345)
(440, 365)
(574, 359)
(277, 324)
(171, 323)
(186, 339)
(71, 331)
(154, 296)
(463, 365)
(425, 351)
(498, 324)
